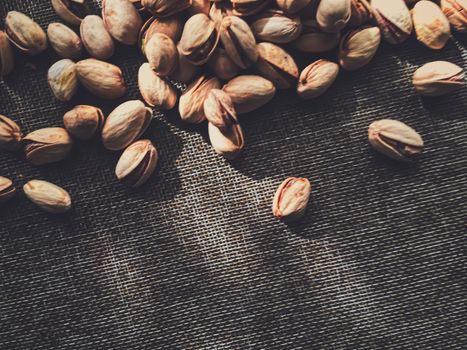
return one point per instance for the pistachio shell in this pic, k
(228, 143)
(63, 80)
(71, 11)
(317, 78)
(155, 90)
(292, 6)
(165, 8)
(122, 20)
(333, 15)
(456, 12)
(6, 55)
(10, 134)
(393, 18)
(200, 6)
(222, 65)
(248, 7)
(47, 196)
(438, 78)
(291, 199)
(96, 39)
(276, 27)
(219, 109)
(170, 26)
(83, 121)
(360, 13)
(314, 40)
(24, 33)
(162, 54)
(7, 190)
(185, 71)
(431, 25)
(47, 145)
(358, 47)
(65, 42)
(219, 10)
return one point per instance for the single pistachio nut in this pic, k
(122, 20)
(219, 109)
(276, 65)
(292, 6)
(165, 8)
(191, 106)
(360, 13)
(219, 10)
(7, 62)
(125, 125)
(185, 71)
(249, 92)
(314, 40)
(103, 79)
(317, 78)
(96, 39)
(83, 121)
(393, 18)
(24, 33)
(438, 78)
(358, 47)
(200, 6)
(332, 15)
(137, 163)
(7, 190)
(238, 40)
(248, 7)
(395, 139)
(71, 11)
(291, 199)
(47, 196)
(162, 54)
(222, 65)
(63, 80)
(276, 27)
(431, 25)
(170, 26)
(155, 90)
(10, 134)
(47, 145)
(227, 143)
(65, 42)
(456, 12)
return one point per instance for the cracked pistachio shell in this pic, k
(314, 40)
(122, 20)
(291, 199)
(63, 80)
(248, 7)
(438, 78)
(170, 26)
(276, 65)
(103, 79)
(125, 125)
(238, 40)
(6, 55)
(249, 92)
(199, 39)
(65, 42)
(7, 190)
(456, 12)
(162, 54)
(358, 47)
(360, 13)
(10, 134)
(71, 11)
(276, 27)
(219, 10)
(83, 122)
(156, 91)
(185, 71)
(96, 39)
(394, 20)
(222, 66)
(165, 8)
(395, 139)
(47, 145)
(137, 163)
(47, 196)
(191, 106)
(219, 109)
(431, 25)
(332, 15)
(317, 78)
(292, 6)
(227, 143)
(24, 33)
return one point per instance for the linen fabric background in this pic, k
(195, 260)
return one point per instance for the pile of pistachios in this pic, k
(231, 56)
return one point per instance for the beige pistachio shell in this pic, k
(10, 134)
(431, 25)
(227, 143)
(7, 190)
(71, 11)
(332, 15)
(47, 145)
(291, 199)
(394, 20)
(122, 20)
(222, 65)
(96, 39)
(314, 40)
(358, 47)
(63, 80)
(6, 55)
(456, 12)
(24, 33)
(162, 54)
(219, 10)
(65, 42)
(200, 6)
(47, 196)
(276, 27)
(317, 78)
(83, 121)
(292, 6)
(155, 90)
(165, 8)
(361, 13)
(248, 7)
(185, 71)
(219, 109)
(438, 78)
(170, 26)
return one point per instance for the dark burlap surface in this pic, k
(195, 260)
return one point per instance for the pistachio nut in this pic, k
(96, 39)
(137, 163)
(191, 106)
(248, 7)
(276, 65)
(83, 121)
(122, 20)
(219, 10)
(317, 78)
(10, 134)
(238, 40)
(7, 190)
(393, 18)
(165, 8)
(360, 13)
(291, 199)
(276, 27)
(314, 40)
(71, 11)
(170, 26)
(431, 25)
(200, 6)
(222, 66)
(24, 33)
(185, 71)
(395, 139)
(456, 12)
(63, 80)
(47, 145)
(438, 78)
(358, 47)
(332, 15)
(249, 92)
(228, 143)
(47, 196)
(199, 39)
(125, 124)
(292, 6)
(155, 90)
(103, 79)
(6, 55)
(219, 109)
(161, 53)
(65, 42)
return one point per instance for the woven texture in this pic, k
(195, 260)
